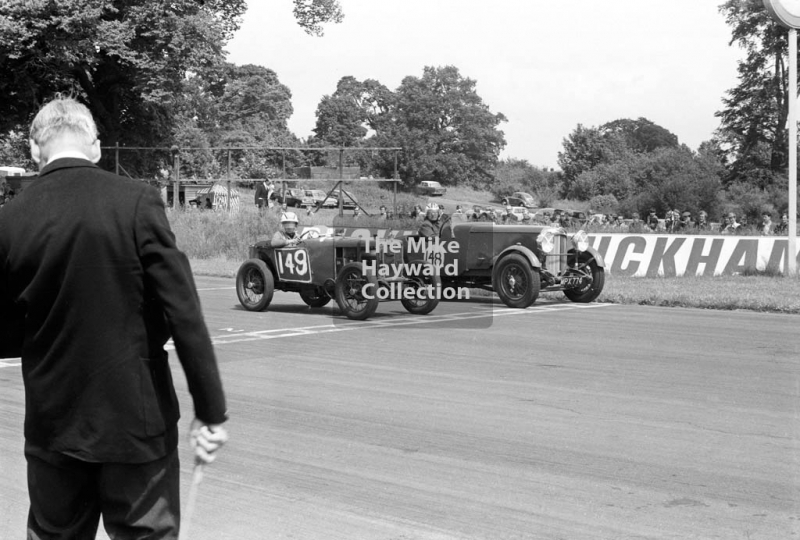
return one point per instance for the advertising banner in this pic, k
(691, 255)
(653, 255)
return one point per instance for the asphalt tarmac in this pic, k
(562, 421)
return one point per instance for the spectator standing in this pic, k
(731, 226)
(765, 227)
(263, 193)
(652, 220)
(783, 226)
(702, 221)
(685, 222)
(92, 286)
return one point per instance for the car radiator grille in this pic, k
(557, 260)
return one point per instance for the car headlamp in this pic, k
(546, 240)
(581, 241)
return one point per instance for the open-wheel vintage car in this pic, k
(358, 273)
(519, 261)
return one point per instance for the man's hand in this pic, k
(205, 440)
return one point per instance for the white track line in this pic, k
(240, 337)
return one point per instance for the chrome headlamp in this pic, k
(547, 240)
(580, 240)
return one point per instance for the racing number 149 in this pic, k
(294, 263)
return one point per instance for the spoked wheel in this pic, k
(428, 298)
(353, 289)
(315, 298)
(254, 285)
(593, 279)
(516, 281)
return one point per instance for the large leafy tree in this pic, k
(753, 119)
(128, 60)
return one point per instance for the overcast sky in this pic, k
(547, 65)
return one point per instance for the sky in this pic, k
(546, 65)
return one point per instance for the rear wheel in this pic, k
(516, 281)
(593, 278)
(254, 285)
(315, 298)
(426, 302)
(352, 290)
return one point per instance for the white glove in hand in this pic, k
(205, 440)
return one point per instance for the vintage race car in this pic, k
(357, 272)
(519, 261)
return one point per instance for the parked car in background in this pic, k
(519, 198)
(431, 189)
(348, 200)
(298, 198)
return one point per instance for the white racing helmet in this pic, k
(289, 217)
(289, 221)
(433, 212)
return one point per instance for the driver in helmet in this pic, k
(434, 222)
(287, 236)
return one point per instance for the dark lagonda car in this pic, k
(519, 261)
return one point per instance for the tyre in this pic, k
(315, 298)
(594, 278)
(350, 293)
(422, 306)
(254, 285)
(516, 282)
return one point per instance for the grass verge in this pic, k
(753, 293)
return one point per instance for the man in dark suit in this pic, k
(92, 286)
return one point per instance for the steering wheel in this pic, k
(309, 234)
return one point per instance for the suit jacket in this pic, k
(92, 286)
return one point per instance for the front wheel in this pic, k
(356, 293)
(516, 281)
(424, 303)
(593, 279)
(254, 285)
(315, 298)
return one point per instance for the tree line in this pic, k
(154, 74)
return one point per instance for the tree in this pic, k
(447, 132)
(641, 135)
(312, 14)
(127, 61)
(754, 117)
(585, 148)
(341, 118)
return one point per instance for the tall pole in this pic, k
(791, 255)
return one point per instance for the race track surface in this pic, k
(562, 421)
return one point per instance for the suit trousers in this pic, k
(138, 501)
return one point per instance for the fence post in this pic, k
(176, 183)
(395, 183)
(230, 206)
(116, 158)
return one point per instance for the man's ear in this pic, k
(36, 152)
(94, 151)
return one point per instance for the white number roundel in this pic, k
(786, 12)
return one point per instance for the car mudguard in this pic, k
(596, 254)
(522, 250)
